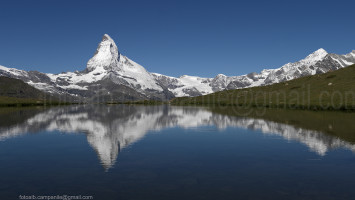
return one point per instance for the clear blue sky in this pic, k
(179, 37)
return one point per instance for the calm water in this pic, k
(163, 152)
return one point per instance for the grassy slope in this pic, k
(332, 90)
(16, 88)
(338, 124)
(16, 115)
(14, 92)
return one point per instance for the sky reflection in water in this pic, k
(176, 152)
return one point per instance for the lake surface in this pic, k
(166, 152)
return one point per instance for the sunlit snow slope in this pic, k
(110, 76)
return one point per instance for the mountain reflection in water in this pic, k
(109, 129)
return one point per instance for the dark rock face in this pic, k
(237, 84)
(253, 76)
(168, 82)
(38, 77)
(193, 92)
(218, 83)
(327, 64)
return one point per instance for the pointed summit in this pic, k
(106, 37)
(220, 75)
(314, 57)
(321, 50)
(106, 55)
(319, 53)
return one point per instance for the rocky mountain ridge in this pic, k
(318, 62)
(111, 76)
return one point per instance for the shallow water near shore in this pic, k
(167, 152)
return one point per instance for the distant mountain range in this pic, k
(110, 76)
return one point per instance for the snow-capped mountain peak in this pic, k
(314, 57)
(109, 75)
(220, 76)
(106, 56)
(114, 77)
(320, 51)
(319, 61)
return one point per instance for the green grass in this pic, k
(19, 102)
(16, 115)
(14, 92)
(338, 124)
(12, 87)
(329, 91)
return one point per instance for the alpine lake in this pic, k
(175, 152)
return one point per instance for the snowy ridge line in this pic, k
(105, 71)
(108, 70)
(317, 62)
